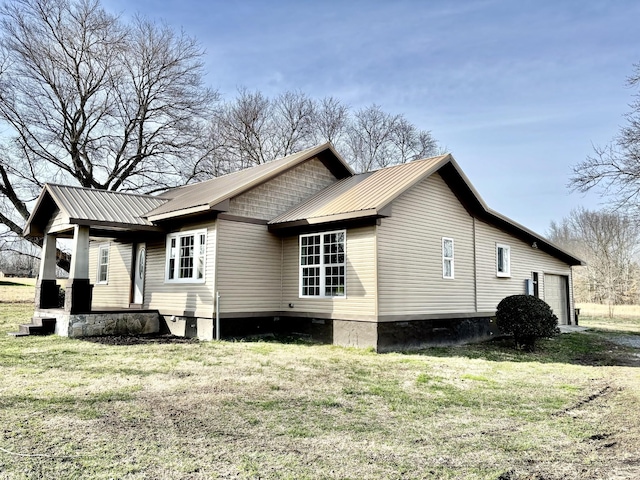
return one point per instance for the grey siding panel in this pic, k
(285, 191)
(249, 268)
(360, 301)
(194, 299)
(524, 261)
(116, 292)
(410, 253)
(58, 222)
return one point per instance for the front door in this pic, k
(138, 279)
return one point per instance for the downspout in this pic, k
(475, 266)
(216, 304)
(217, 315)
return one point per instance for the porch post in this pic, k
(79, 291)
(47, 290)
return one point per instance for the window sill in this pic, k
(185, 281)
(318, 297)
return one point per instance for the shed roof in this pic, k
(211, 194)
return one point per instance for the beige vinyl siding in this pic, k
(360, 301)
(278, 195)
(249, 268)
(174, 298)
(524, 261)
(116, 292)
(410, 253)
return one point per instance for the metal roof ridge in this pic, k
(89, 189)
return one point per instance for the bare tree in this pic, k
(88, 99)
(377, 139)
(615, 168)
(330, 121)
(253, 129)
(609, 243)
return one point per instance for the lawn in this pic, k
(17, 290)
(196, 410)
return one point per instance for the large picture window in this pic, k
(186, 256)
(503, 260)
(323, 264)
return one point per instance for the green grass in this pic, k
(267, 410)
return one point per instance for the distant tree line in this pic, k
(609, 243)
(252, 129)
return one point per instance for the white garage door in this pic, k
(555, 294)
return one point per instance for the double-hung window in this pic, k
(323, 264)
(447, 257)
(103, 264)
(186, 253)
(503, 260)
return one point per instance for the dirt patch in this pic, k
(140, 339)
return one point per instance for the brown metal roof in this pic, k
(368, 193)
(206, 195)
(91, 206)
(103, 205)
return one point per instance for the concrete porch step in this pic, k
(18, 334)
(38, 326)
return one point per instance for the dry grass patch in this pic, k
(269, 410)
(599, 310)
(17, 290)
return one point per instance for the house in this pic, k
(404, 256)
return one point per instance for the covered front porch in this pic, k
(66, 213)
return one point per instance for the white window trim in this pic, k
(104, 246)
(451, 259)
(321, 265)
(507, 249)
(178, 235)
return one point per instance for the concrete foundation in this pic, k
(102, 323)
(380, 336)
(411, 335)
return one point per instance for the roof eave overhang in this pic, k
(178, 213)
(344, 219)
(462, 187)
(530, 237)
(115, 226)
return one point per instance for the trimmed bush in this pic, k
(527, 318)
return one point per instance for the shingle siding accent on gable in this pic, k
(410, 253)
(360, 302)
(115, 293)
(196, 299)
(524, 260)
(249, 268)
(282, 193)
(59, 222)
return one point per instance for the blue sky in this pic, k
(518, 91)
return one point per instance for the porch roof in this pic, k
(87, 206)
